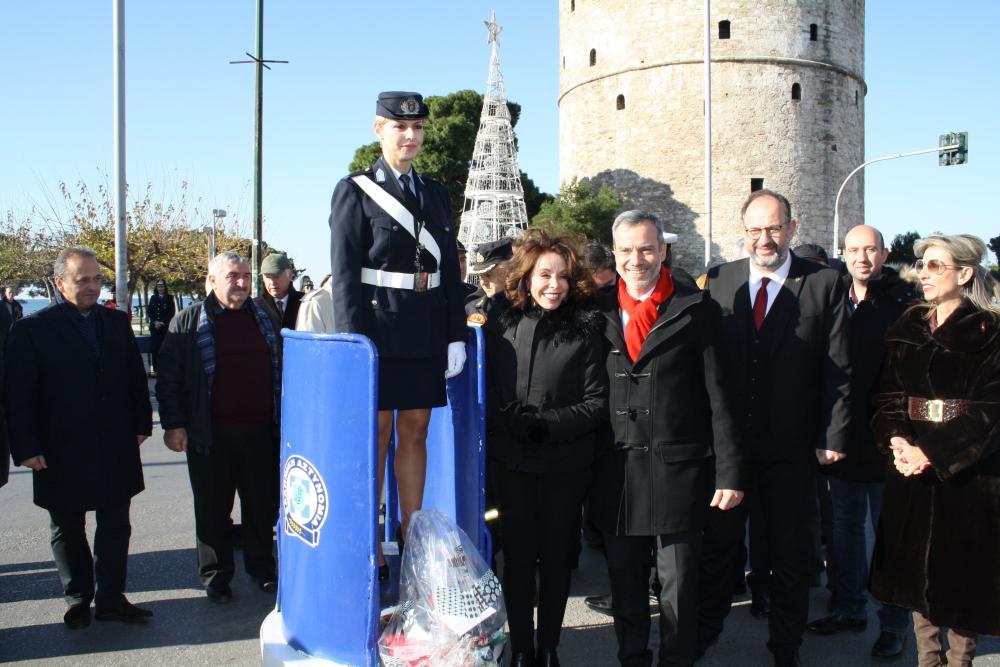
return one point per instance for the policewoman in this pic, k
(395, 279)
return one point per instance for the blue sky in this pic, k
(929, 69)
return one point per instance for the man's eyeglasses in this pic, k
(934, 266)
(755, 232)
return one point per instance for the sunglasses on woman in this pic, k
(935, 266)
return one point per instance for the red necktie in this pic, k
(760, 304)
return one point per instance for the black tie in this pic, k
(408, 196)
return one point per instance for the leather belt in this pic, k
(380, 278)
(936, 410)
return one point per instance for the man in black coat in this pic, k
(784, 320)
(878, 298)
(280, 295)
(676, 448)
(5, 324)
(219, 390)
(74, 377)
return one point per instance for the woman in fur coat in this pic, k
(937, 547)
(547, 394)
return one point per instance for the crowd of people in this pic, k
(657, 412)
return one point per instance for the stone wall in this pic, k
(648, 58)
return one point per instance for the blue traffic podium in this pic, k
(328, 600)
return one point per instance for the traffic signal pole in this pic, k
(958, 145)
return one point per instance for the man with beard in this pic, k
(784, 320)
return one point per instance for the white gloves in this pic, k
(456, 359)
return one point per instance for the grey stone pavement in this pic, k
(189, 630)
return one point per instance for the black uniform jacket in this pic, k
(79, 410)
(402, 323)
(807, 364)
(887, 298)
(161, 309)
(291, 309)
(675, 434)
(550, 364)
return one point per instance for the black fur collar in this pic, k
(966, 330)
(569, 322)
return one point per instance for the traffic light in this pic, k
(959, 155)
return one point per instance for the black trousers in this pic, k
(786, 495)
(75, 563)
(676, 560)
(539, 516)
(243, 460)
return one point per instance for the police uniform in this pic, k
(479, 307)
(371, 256)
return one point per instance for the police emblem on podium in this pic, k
(304, 498)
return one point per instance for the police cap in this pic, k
(400, 105)
(490, 254)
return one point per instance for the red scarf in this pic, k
(642, 314)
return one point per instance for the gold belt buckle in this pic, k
(935, 410)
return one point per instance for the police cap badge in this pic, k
(401, 105)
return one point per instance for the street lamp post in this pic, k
(217, 215)
(958, 145)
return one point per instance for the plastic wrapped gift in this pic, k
(451, 611)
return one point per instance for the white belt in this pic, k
(380, 278)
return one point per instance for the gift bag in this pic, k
(451, 611)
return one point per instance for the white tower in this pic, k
(494, 199)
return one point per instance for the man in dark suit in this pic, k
(675, 436)
(5, 324)
(75, 379)
(279, 294)
(785, 321)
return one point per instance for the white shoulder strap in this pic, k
(397, 212)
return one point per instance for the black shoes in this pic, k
(830, 625)
(600, 603)
(889, 645)
(546, 657)
(266, 584)
(760, 605)
(219, 593)
(787, 659)
(126, 612)
(521, 659)
(77, 616)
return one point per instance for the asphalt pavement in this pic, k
(187, 629)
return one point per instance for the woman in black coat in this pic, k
(546, 396)
(937, 548)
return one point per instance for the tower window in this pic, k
(796, 92)
(620, 102)
(572, 5)
(756, 184)
(855, 98)
(813, 32)
(564, 62)
(723, 29)
(593, 57)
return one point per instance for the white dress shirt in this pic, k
(777, 277)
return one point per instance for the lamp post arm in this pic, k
(836, 204)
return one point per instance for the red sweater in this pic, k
(242, 389)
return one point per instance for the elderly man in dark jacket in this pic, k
(5, 323)
(74, 378)
(676, 449)
(218, 386)
(878, 298)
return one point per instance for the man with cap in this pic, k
(279, 295)
(306, 284)
(491, 266)
(463, 270)
(395, 279)
(161, 310)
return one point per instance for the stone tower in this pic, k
(788, 95)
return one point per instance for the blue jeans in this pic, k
(853, 502)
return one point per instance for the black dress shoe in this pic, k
(546, 657)
(705, 642)
(760, 605)
(77, 616)
(835, 623)
(888, 645)
(126, 612)
(266, 584)
(219, 593)
(787, 659)
(600, 603)
(383, 573)
(522, 659)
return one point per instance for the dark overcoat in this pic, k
(402, 323)
(291, 315)
(675, 435)
(549, 363)
(5, 323)
(937, 547)
(808, 366)
(81, 411)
